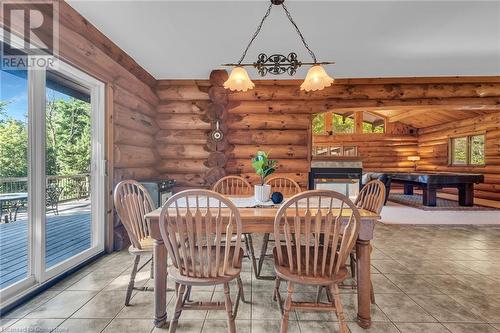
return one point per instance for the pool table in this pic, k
(431, 182)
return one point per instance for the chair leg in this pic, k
(353, 265)
(131, 283)
(178, 307)
(318, 293)
(251, 253)
(339, 309)
(263, 251)
(240, 287)
(152, 272)
(372, 293)
(286, 309)
(277, 283)
(231, 327)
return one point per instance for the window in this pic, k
(467, 150)
(342, 124)
(376, 126)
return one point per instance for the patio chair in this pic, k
(287, 187)
(194, 235)
(52, 195)
(132, 202)
(238, 186)
(303, 259)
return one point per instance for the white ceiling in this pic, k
(187, 39)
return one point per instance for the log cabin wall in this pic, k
(131, 100)
(275, 117)
(433, 150)
(131, 104)
(379, 152)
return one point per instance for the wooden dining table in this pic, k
(260, 220)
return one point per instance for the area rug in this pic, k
(415, 200)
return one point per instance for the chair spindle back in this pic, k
(371, 197)
(285, 185)
(132, 201)
(318, 240)
(197, 227)
(232, 185)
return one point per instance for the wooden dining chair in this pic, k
(303, 259)
(371, 198)
(132, 201)
(288, 187)
(238, 186)
(193, 225)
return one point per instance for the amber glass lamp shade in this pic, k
(239, 80)
(316, 79)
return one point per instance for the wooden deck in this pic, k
(67, 235)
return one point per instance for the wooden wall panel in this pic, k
(275, 117)
(379, 152)
(181, 141)
(131, 104)
(433, 149)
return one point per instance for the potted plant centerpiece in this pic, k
(263, 167)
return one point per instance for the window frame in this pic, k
(468, 137)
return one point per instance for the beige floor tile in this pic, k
(382, 285)
(121, 282)
(445, 309)
(141, 306)
(6, 322)
(377, 327)
(211, 326)
(63, 305)
(264, 307)
(486, 306)
(401, 308)
(273, 326)
(350, 303)
(412, 284)
(34, 325)
(83, 325)
(390, 266)
(468, 328)
(318, 326)
(32, 304)
(106, 304)
(421, 328)
(95, 281)
(184, 326)
(129, 326)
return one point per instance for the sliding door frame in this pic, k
(37, 273)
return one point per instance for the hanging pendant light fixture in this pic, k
(277, 64)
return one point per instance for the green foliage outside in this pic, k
(461, 150)
(14, 145)
(477, 150)
(68, 140)
(369, 128)
(341, 124)
(263, 166)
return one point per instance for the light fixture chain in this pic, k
(256, 33)
(299, 33)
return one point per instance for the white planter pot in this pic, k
(262, 192)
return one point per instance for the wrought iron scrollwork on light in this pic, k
(277, 64)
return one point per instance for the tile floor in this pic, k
(426, 279)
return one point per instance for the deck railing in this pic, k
(73, 187)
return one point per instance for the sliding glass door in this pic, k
(52, 175)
